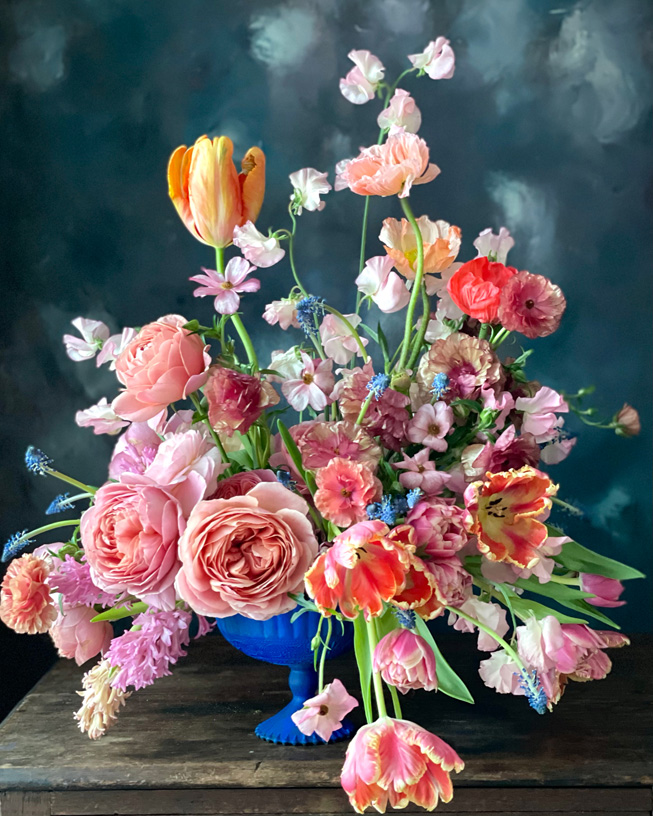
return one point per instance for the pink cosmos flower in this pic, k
(439, 527)
(76, 637)
(261, 250)
(420, 473)
(606, 590)
(430, 425)
(101, 417)
(134, 451)
(468, 362)
(94, 334)
(495, 247)
(531, 305)
(381, 283)
(320, 442)
(441, 246)
(405, 661)
(26, 605)
(72, 579)
(628, 422)
(241, 483)
(491, 614)
(323, 714)
(539, 413)
(337, 340)
(114, 346)
(437, 60)
(388, 169)
(360, 84)
(396, 762)
(227, 287)
(243, 555)
(401, 112)
(308, 185)
(236, 400)
(162, 364)
(313, 386)
(283, 312)
(344, 489)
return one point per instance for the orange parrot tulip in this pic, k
(211, 197)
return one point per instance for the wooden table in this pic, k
(186, 745)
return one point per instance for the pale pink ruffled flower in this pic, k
(453, 581)
(320, 442)
(26, 605)
(441, 246)
(382, 284)
(261, 250)
(606, 590)
(73, 580)
(337, 340)
(495, 247)
(226, 287)
(446, 308)
(406, 661)
(323, 714)
(557, 449)
(501, 673)
(430, 425)
(344, 489)
(76, 637)
(114, 347)
(468, 362)
(401, 112)
(283, 312)
(420, 473)
(496, 400)
(436, 329)
(101, 417)
(94, 333)
(491, 614)
(236, 400)
(308, 185)
(135, 450)
(531, 305)
(287, 365)
(100, 701)
(439, 526)
(539, 413)
(437, 60)
(312, 387)
(360, 84)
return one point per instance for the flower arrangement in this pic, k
(413, 483)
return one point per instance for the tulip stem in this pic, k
(364, 407)
(417, 284)
(396, 704)
(376, 677)
(325, 649)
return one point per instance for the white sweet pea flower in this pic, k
(495, 247)
(308, 185)
(437, 60)
(360, 84)
(260, 250)
(401, 112)
(94, 334)
(114, 346)
(101, 417)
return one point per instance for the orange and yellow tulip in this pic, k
(211, 197)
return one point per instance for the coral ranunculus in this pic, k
(476, 288)
(211, 197)
(26, 604)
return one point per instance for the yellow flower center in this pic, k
(227, 285)
(307, 378)
(411, 256)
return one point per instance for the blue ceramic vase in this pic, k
(283, 643)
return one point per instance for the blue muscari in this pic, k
(440, 385)
(284, 478)
(307, 310)
(412, 497)
(59, 504)
(383, 511)
(37, 462)
(535, 694)
(16, 544)
(406, 617)
(378, 384)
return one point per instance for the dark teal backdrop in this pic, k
(545, 128)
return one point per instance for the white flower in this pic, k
(360, 84)
(101, 417)
(114, 346)
(94, 334)
(498, 246)
(401, 112)
(437, 59)
(309, 184)
(261, 250)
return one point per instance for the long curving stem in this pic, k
(417, 285)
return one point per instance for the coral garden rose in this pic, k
(26, 604)
(236, 400)
(476, 288)
(76, 637)
(162, 364)
(246, 553)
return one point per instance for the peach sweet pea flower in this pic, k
(344, 489)
(26, 604)
(211, 197)
(76, 637)
(441, 246)
(396, 762)
(323, 714)
(388, 169)
(437, 60)
(401, 112)
(360, 84)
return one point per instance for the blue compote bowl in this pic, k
(283, 643)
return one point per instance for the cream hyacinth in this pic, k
(101, 702)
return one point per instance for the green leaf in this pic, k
(242, 458)
(579, 559)
(370, 332)
(120, 612)
(386, 623)
(566, 596)
(448, 681)
(383, 345)
(473, 405)
(525, 607)
(364, 662)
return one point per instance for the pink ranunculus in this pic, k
(26, 604)
(453, 581)
(114, 346)
(241, 483)
(383, 285)
(531, 305)
(76, 637)
(94, 333)
(439, 526)
(308, 185)
(283, 312)
(490, 614)
(430, 425)
(261, 250)
(395, 762)
(401, 112)
(245, 554)
(162, 364)
(388, 169)
(360, 84)
(130, 537)
(323, 714)
(405, 661)
(312, 387)
(101, 417)
(134, 451)
(539, 413)
(437, 60)
(337, 340)
(420, 473)
(228, 286)
(606, 590)
(495, 247)
(344, 489)
(236, 400)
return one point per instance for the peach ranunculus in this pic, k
(243, 555)
(503, 512)
(388, 169)
(76, 637)
(441, 246)
(211, 197)
(236, 400)
(344, 490)
(130, 538)
(26, 604)
(476, 288)
(162, 364)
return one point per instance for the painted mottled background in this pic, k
(545, 128)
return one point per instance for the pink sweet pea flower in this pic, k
(76, 637)
(261, 250)
(283, 312)
(430, 425)
(437, 59)
(383, 285)
(323, 714)
(420, 472)
(94, 334)
(539, 413)
(313, 386)
(114, 346)
(405, 661)
(558, 449)
(501, 673)
(497, 400)
(308, 185)
(401, 112)
(498, 246)
(360, 84)
(337, 340)
(490, 614)
(606, 590)
(227, 287)
(628, 421)
(101, 417)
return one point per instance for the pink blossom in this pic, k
(337, 340)
(344, 489)
(453, 581)
(430, 425)
(406, 661)
(605, 590)
(508, 452)
(420, 473)
(439, 526)
(381, 283)
(531, 305)
(26, 605)
(134, 451)
(236, 400)
(501, 673)
(558, 448)
(308, 185)
(320, 442)
(446, 308)
(283, 312)
(360, 84)
(490, 614)
(261, 250)
(241, 483)
(628, 421)
(436, 329)
(401, 112)
(468, 362)
(101, 417)
(313, 386)
(73, 580)
(437, 60)
(114, 347)
(228, 286)
(76, 637)
(539, 413)
(494, 399)
(495, 247)
(94, 334)
(323, 714)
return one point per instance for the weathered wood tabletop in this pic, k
(187, 746)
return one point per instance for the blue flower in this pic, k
(59, 504)
(413, 496)
(284, 478)
(37, 462)
(378, 384)
(384, 510)
(440, 385)
(308, 309)
(535, 694)
(406, 617)
(16, 544)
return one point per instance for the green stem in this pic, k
(395, 702)
(53, 526)
(419, 340)
(198, 407)
(482, 334)
(364, 407)
(566, 506)
(291, 252)
(569, 581)
(376, 677)
(69, 480)
(235, 318)
(500, 336)
(352, 331)
(325, 649)
(361, 260)
(417, 285)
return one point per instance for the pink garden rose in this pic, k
(241, 483)
(26, 604)
(245, 554)
(162, 364)
(76, 637)
(134, 451)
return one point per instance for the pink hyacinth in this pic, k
(439, 526)
(226, 287)
(430, 425)
(344, 489)
(312, 386)
(539, 413)
(406, 661)
(401, 112)
(360, 84)
(261, 250)
(437, 60)
(420, 473)
(382, 284)
(308, 185)
(323, 714)
(73, 580)
(531, 305)
(605, 590)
